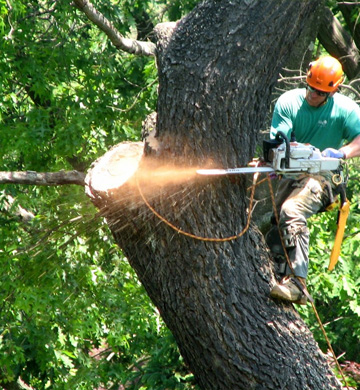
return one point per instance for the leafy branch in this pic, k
(120, 42)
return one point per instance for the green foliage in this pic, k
(73, 314)
(336, 293)
(67, 93)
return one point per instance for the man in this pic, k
(320, 116)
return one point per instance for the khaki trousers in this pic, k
(297, 200)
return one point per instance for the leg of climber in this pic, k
(306, 199)
(272, 236)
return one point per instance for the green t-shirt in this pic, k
(328, 126)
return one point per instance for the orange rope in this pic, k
(212, 239)
(312, 303)
(216, 239)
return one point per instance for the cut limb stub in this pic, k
(113, 169)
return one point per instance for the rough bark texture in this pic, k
(216, 71)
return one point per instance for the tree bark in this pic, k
(43, 178)
(217, 68)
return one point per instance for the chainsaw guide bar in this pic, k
(234, 171)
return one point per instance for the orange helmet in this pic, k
(325, 74)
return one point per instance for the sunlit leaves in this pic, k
(73, 314)
(336, 293)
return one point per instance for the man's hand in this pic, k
(335, 153)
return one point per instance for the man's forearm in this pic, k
(352, 149)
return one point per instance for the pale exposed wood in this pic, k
(114, 169)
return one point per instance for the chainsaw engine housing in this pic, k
(300, 157)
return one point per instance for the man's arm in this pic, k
(281, 119)
(352, 149)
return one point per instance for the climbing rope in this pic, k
(234, 237)
(196, 237)
(303, 285)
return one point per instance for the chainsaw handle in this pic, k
(280, 135)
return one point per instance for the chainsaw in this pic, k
(283, 157)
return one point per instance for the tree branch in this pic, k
(43, 178)
(129, 45)
(8, 204)
(348, 3)
(18, 384)
(349, 12)
(339, 43)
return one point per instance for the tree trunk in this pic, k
(216, 72)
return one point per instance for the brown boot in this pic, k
(303, 300)
(289, 290)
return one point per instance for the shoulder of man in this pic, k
(293, 94)
(345, 101)
(293, 97)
